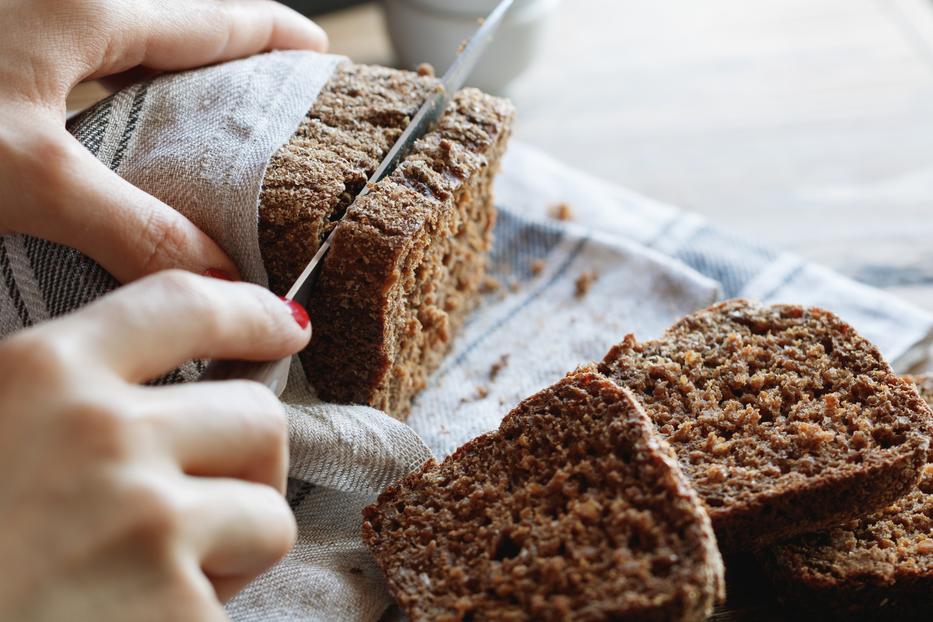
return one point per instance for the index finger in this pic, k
(170, 36)
(157, 323)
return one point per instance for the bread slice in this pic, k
(407, 262)
(573, 508)
(784, 419)
(878, 567)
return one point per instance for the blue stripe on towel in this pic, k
(728, 259)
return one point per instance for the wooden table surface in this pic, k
(805, 124)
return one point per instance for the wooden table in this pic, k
(806, 125)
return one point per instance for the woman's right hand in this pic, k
(127, 502)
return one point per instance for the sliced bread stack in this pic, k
(876, 567)
(572, 509)
(784, 419)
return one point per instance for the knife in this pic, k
(274, 374)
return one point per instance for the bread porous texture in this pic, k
(408, 259)
(784, 419)
(572, 509)
(876, 567)
(313, 178)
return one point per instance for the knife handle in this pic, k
(273, 374)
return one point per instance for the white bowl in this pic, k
(432, 31)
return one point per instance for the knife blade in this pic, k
(274, 374)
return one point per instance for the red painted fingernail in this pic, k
(298, 312)
(217, 274)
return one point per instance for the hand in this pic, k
(53, 188)
(128, 502)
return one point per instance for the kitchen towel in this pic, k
(201, 140)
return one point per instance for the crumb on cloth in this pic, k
(498, 366)
(537, 266)
(562, 211)
(426, 69)
(583, 283)
(481, 392)
(490, 284)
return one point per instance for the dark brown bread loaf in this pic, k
(407, 262)
(876, 567)
(573, 509)
(785, 420)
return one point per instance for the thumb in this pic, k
(62, 193)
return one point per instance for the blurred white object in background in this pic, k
(431, 31)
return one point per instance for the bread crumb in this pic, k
(562, 211)
(498, 366)
(426, 70)
(490, 284)
(481, 392)
(715, 473)
(811, 436)
(589, 510)
(583, 283)
(925, 547)
(537, 266)
(462, 46)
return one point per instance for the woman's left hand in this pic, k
(53, 188)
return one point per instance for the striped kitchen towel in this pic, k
(201, 140)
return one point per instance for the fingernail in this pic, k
(217, 274)
(298, 312)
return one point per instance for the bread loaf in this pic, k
(408, 260)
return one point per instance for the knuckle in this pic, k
(51, 165)
(204, 304)
(77, 15)
(287, 529)
(215, 14)
(163, 238)
(36, 355)
(283, 532)
(267, 421)
(101, 427)
(279, 526)
(178, 283)
(154, 516)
